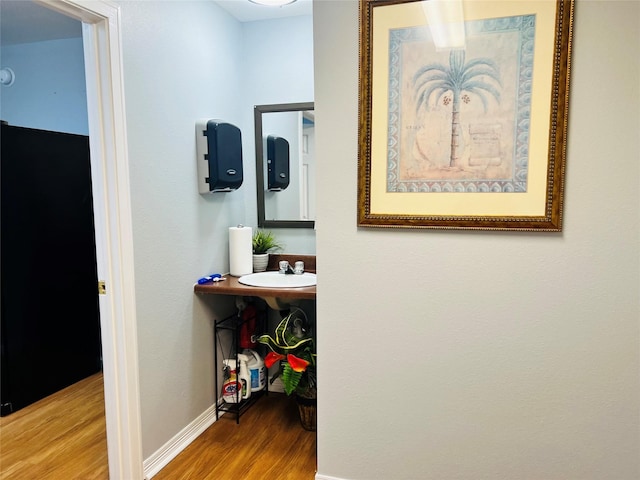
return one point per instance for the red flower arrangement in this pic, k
(293, 349)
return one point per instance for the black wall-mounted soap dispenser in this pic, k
(219, 152)
(277, 163)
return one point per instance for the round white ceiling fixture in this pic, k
(272, 3)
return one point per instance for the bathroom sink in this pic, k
(278, 280)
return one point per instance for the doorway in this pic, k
(112, 218)
(50, 324)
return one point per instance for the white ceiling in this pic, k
(22, 21)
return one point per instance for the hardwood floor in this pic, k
(62, 437)
(268, 443)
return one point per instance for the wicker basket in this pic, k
(307, 409)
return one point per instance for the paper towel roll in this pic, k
(240, 251)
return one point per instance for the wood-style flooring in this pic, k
(62, 437)
(268, 443)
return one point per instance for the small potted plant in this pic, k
(263, 242)
(292, 348)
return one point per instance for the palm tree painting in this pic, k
(458, 120)
(457, 83)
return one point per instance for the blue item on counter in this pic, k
(214, 277)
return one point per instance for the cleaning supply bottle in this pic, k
(256, 369)
(231, 387)
(244, 376)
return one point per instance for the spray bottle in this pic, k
(244, 376)
(231, 387)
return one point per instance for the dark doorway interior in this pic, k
(50, 315)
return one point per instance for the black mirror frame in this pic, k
(258, 110)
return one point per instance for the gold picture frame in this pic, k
(463, 138)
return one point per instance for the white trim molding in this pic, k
(170, 450)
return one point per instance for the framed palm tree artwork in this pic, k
(463, 110)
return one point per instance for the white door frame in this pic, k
(114, 238)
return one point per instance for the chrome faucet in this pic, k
(286, 269)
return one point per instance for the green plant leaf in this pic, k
(290, 378)
(264, 241)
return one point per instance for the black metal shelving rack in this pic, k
(233, 323)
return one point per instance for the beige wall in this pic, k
(480, 355)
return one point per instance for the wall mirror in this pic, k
(285, 165)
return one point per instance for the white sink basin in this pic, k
(278, 280)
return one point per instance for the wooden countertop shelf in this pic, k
(231, 286)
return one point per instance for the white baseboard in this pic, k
(170, 450)
(327, 477)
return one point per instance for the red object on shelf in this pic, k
(248, 327)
